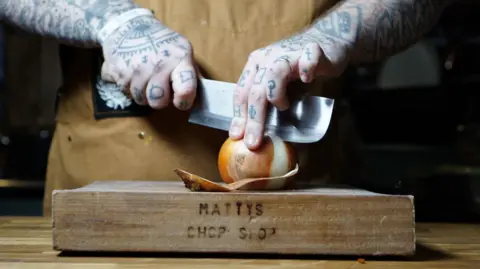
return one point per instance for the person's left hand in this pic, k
(267, 73)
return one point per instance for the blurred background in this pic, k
(417, 113)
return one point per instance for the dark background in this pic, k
(417, 113)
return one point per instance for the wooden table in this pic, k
(27, 243)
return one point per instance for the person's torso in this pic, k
(125, 146)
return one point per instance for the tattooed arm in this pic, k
(372, 30)
(142, 52)
(74, 22)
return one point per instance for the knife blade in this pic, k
(306, 120)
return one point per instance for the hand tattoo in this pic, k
(252, 112)
(156, 92)
(294, 43)
(186, 76)
(284, 58)
(271, 86)
(259, 76)
(309, 53)
(141, 35)
(183, 105)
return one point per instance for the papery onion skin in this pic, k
(275, 157)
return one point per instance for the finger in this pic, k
(257, 107)
(158, 90)
(308, 62)
(125, 78)
(184, 83)
(240, 101)
(109, 73)
(138, 85)
(275, 83)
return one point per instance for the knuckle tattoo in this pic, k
(259, 76)
(183, 104)
(252, 112)
(156, 92)
(308, 54)
(186, 76)
(166, 53)
(271, 85)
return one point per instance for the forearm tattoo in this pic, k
(376, 29)
(74, 22)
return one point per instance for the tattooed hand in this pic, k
(267, 73)
(144, 56)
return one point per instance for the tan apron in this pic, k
(223, 33)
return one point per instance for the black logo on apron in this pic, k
(109, 101)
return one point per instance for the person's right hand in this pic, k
(143, 56)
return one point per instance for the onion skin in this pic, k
(275, 157)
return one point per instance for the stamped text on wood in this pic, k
(164, 216)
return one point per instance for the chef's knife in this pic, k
(306, 121)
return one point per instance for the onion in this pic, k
(274, 158)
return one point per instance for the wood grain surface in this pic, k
(26, 243)
(165, 216)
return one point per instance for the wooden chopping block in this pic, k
(165, 216)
